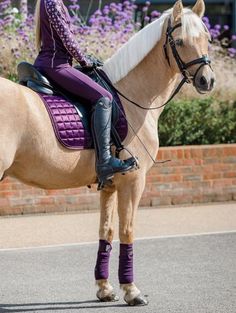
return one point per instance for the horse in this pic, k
(146, 69)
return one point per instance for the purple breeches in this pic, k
(77, 83)
(125, 272)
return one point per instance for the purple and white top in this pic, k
(59, 45)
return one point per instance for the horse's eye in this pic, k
(179, 42)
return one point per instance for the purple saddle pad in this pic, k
(68, 126)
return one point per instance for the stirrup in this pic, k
(133, 160)
(106, 179)
(104, 182)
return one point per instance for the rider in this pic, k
(57, 46)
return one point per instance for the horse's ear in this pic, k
(199, 8)
(177, 11)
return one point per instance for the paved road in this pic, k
(56, 229)
(190, 274)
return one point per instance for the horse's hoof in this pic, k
(110, 298)
(138, 301)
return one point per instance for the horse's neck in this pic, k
(150, 84)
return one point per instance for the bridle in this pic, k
(183, 67)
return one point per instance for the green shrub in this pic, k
(198, 121)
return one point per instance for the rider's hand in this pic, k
(92, 62)
(86, 64)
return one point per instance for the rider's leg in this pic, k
(106, 165)
(77, 83)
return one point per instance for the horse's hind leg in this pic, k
(129, 194)
(108, 202)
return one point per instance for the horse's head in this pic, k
(186, 46)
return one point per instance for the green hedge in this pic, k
(197, 122)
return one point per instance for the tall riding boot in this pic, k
(106, 164)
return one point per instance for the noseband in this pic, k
(183, 67)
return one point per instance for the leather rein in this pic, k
(183, 67)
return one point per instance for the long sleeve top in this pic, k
(59, 45)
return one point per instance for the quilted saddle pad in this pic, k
(71, 127)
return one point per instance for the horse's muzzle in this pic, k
(204, 81)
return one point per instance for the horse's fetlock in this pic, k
(105, 288)
(131, 291)
(103, 283)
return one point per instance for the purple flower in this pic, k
(155, 14)
(106, 11)
(217, 26)
(205, 19)
(232, 50)
(214, 33)
(74, 7)
(98, 13)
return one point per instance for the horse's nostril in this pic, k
(212, 83)
(203, 81)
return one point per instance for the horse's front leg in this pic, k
(129, 194)
(108, 202)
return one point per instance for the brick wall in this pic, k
(196, 174)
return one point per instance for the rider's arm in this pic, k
(57, 19)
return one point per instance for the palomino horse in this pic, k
(144, 72)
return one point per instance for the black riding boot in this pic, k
(106, 164)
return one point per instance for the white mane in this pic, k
(133, 52)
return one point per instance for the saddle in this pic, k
(70, 117)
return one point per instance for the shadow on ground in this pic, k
(59, 306)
